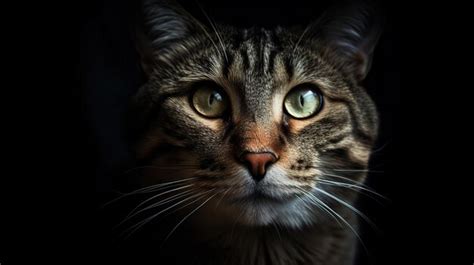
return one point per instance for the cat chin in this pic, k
(292, 214)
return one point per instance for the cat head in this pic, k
(257, 119)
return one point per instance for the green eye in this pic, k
(210, 102)
(302, 102)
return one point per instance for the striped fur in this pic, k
(256, 68)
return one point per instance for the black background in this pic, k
(61, 139)
(50, 197)
(110, 73)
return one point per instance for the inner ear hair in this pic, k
(349, 33)
(159, 24)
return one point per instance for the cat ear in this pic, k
(349, 35)
(161, 24)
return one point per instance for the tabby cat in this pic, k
(254, 140)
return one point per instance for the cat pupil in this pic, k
(211, 99)
(302, 100)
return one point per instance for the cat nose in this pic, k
(257, 163)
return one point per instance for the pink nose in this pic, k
(257, 163)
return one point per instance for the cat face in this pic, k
(252, 121)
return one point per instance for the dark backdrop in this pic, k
(110, 73)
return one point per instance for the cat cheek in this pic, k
(360, 153)
(217, 126)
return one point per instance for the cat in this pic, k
(253, 139)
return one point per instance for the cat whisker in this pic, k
(198, 23)
(215, 30)
(348, 186)
(339, 168)
(346, 179)
(140, 224)
(134, 212)
(334, 213)
(354, 187)
(330, 167)
(200, 196)
(148, 189)
(315, 201)
(223, 195)
(354, 184)
(350, 207)
(175, 166)
(358, 170)
(188, 215)
(161, 194)
(172, 198)
(305, 204)
(301, 38)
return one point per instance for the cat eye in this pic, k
(303, 102)
(209, 101)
